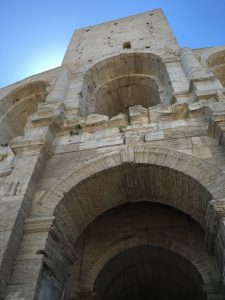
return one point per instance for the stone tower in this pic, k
(112, 170)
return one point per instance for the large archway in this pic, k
(131, 183)
(134, 175)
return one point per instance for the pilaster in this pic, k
(30, 153)
(203, 83)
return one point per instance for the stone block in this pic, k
(96, 122)
(185, 131)
(120, 120)
(157, 114)
(180, 111)
(138, 115)
(154, 135)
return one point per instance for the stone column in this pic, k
(15, 194)
(203, 83)
(31, 152)
(178, 79)
(60, 88)
(191, 66)
(44, 251)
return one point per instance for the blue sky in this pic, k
(35, 33)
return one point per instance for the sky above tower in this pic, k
(35, 34)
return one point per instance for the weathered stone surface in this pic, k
(138, 115)
(6, 161)
(96, 122)
(121, 121)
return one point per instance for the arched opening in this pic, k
(131, 183)
(17, 106)
(137, 176)
(148, 272)
(216, 63)
(112, 85)
(139, 251)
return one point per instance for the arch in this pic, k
(208, 175)
(90, 190)
(114, 84)
(17, 106)
(200, 262)
(197, 181)
(216, 62)
(136, 225)
(148, 268)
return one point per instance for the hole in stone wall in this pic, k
(42, 252)
(126, 45)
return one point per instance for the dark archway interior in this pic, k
(148, 272)
(134, 249)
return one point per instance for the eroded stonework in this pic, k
(112, 170)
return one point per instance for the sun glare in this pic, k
(43, 60)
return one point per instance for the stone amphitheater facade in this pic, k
(112, 170)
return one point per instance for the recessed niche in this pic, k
(117, 95)
(113, 85)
